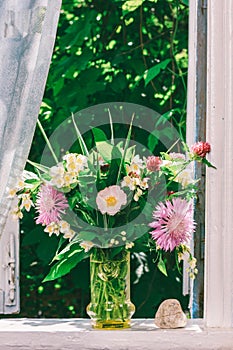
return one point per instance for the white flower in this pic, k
(57, 175)
(86, 245)
(64, 226)
(75, 162)
(112, 241)
(69, 178)
(184, 177)
(192, 263)
(166, 163)
(16, 213)
(69, 234)
(129, 245)
(110, 200)
(130, 182)
(52, 228)
(137, 160)
(19, 186)
(135, 166)
(70, 158)
(81, 161)
(12, 192)
(144, 183)
(57, 170)
(26, 201)
(137, 195)
(57, 182)
(177, 156)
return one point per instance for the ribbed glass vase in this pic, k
(110, 306)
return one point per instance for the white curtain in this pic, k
(27, 35)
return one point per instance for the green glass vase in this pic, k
(110, 306)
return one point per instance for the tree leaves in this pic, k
(131, 5)
(151, 73)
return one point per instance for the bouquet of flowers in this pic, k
(107, 201)
(111, 197)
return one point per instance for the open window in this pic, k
(211, 87)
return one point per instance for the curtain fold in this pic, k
(27, 36)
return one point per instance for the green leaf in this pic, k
(128, 137)
(162, 267)
(152, 142)
(151, 73)
(115, 164)
(38, 166)
(70, 248)
(65, 265)
(206, 162)
(80, 138)
(185, 2)
(130, 154)
(99, 135)
(32, 181)
(131, 5)
(87, 235)
(105, 150)
(86, 179)
(168, 116)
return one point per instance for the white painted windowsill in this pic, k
(77, 334)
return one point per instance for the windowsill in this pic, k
(72, 334)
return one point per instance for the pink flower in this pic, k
(50, 205)
(201, 149)
(173, 223)
(110, 200)
(153, 163)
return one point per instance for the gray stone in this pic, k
(170, 315)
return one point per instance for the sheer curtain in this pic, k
(27, 35)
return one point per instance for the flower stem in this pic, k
(47, 141)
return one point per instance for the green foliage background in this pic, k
(106, 51)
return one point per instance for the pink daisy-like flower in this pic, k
(200, 149)
(173, 223)
(50, 205)
(110, 200)
(153, 163)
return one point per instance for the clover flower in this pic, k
(153, 163)
(200, 149)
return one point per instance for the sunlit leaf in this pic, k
(131, 5)
(65, 265)
(151, 73)
(162, 267)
